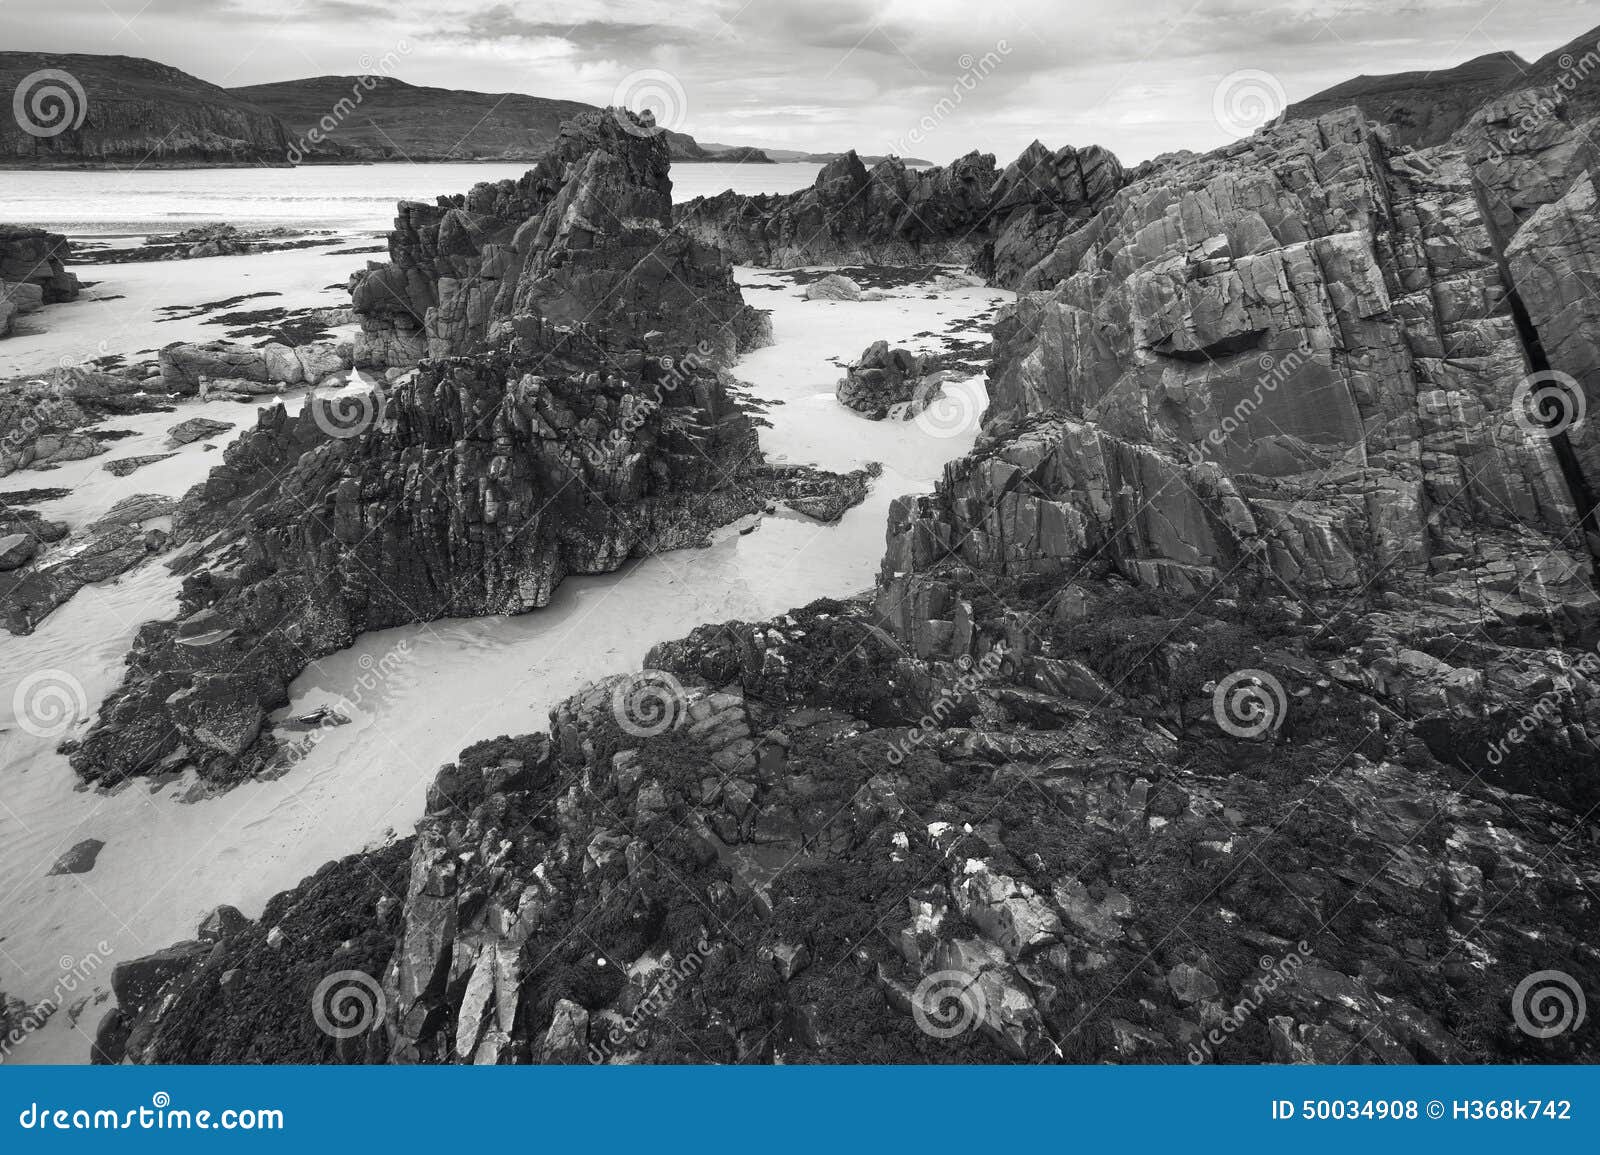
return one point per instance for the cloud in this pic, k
(593, 38)
(1135, 75)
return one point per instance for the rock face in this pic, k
(584, 236)
(1040, 198)
(964, 213)
(1297, 354)
(124, 109)
(1236, 700)
(473, 486)
(32, 273)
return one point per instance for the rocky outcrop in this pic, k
(32, 272)
(852, 215)
(829, 850)
(964, 213)
(216, 240)
(60, 562)
(1294, 356)
(226, 367)
(1040, 198)
(474, 485)
(584, 236)
(882, 378)
(42, 418)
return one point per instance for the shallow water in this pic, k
(356, 198)
(421, 692)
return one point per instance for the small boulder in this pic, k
(126, 465)
(567, 1040)
(80, 859)
(221, 923)
(197, 429)
(17, 550)
(833, 287)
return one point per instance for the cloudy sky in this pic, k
(1138, 76)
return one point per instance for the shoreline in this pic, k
(171, 166)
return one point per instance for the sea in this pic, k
(108, 203)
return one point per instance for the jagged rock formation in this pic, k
(578, 434)
(1297, 351)
(125, 109)
(882, 378)
(1238, 698)
(831, 840)
(32, 272)
(584, 236)
(964, 213)
(852, 215)
(1042, 196)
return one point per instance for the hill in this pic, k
(1422, 109)
(127, 110)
